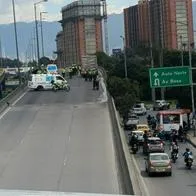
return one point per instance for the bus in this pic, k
(171, 119)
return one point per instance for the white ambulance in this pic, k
(43, 81)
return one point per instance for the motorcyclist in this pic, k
(154, 123)
(134, 140)
(174, 136)
(145, 136)
(186, 154)
(180, 133)
(174, 148)
(149, 119)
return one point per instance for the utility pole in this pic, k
(104, 4)
(153, 95)
(182, 55)
(42, 36)
(125, 56)
(16, 40)
(161, 46)
(1, 55)
(191, 77)
(36, 26)
(37, 35)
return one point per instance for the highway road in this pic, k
(58, 142)
(182, 182)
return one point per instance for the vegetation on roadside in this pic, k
(137, 86)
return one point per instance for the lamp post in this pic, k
(182, 55)
(16, 41)
(153, 93)
(42, 36)
(1, 56)
(125, 56)
(36, 26)
(191, 69)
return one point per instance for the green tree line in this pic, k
(137, 86)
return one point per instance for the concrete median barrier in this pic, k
(11, 97)
(131, 181)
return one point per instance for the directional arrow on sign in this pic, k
(156, 74)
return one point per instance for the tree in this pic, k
(44, 61)
(32, 64)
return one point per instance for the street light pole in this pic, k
(36, 26)
(191, 78)
(16, 41)
(153, 94)
(125, 56)
(1, 55)
(37, 36)
(182, 55)
(42, 36)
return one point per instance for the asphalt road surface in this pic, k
(58, 141)
(182, 182)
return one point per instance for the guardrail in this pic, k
(123, 171)
(11, 97)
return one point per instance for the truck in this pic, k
(43, 81)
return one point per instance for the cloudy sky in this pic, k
(25, 12)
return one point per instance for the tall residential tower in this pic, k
(82, 31)
(168, 22)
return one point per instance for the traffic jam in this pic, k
(157, 137)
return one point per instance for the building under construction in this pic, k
(81, 36)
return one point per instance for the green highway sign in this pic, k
(169, 77)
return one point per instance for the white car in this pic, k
(161, 105)
(139, 109)
(132, 121)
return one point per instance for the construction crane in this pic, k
(105, 18)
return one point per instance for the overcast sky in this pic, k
(25, 11)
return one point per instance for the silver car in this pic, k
(158, 163)
(153, 144)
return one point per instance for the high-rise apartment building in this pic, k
(131, 26)
(172, 23)
(168, 22)
(143, 22)
(82, 31)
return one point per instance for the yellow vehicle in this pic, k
(142, 127)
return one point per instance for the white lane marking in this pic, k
(69, 138)
(17, 100)
(14, 103)
(5, 112)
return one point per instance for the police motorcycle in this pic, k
(60, 86)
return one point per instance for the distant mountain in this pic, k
(25, 34)
(25, 31)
